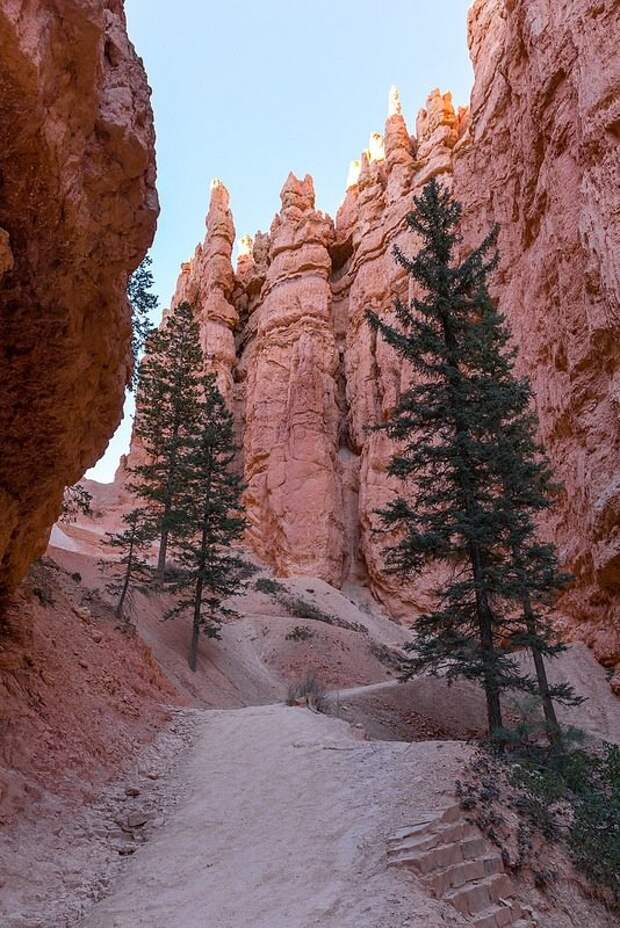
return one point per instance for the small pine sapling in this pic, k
(129, 565)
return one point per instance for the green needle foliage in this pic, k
(130, 565)
(474, 476)
(76, 500)
(143, 303)
(168, 406)
(212, 518)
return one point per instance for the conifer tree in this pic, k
(474, 477)
(168, 402)
(212, 518)
(528, 490)
(76, 500)
(130, 566)
(143, 303)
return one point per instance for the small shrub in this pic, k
(247, 570)
(302, 609)
(44, 595)
(594, 835)
(299, 633)
(271, 587)
(40, 578)
(567, 795)
(308, 691)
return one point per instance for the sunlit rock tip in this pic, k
(296, 192)
(376, 150)
(354, 173)
(246, 243)
(394, 104)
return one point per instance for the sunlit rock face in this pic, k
(542, 158)
(291, 412)
(77, 211)
(538, 153)
(207, 283)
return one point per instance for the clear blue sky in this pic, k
(249, 91)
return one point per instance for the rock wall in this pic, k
(77, 211)
(538, 153)
(542, 158)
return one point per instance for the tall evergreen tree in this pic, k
(212, 519)
(168, 403)
(143, 303)
(130, 565)
(473, 473)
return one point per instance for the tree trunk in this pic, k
(483, 608)
(163, 541)
(119, 607)
(193, 649)
(204, 545)
(161, 560)
(485, 624)
(554, 732)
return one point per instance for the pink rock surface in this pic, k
(207, 282)
(291, 411)
(541, 158)
(78, 211)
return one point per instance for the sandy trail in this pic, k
(282, 824)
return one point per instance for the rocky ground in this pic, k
(61, 857)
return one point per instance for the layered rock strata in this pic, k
(77, 211)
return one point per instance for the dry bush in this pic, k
(309, 691)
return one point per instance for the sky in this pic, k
(249, 91)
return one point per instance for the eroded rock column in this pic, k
(291, 417)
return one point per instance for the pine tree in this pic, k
(130, 566)
(474, 476)
(528, 490)
(76, 500)
(212, 519)
(168, 402)
(143, 304)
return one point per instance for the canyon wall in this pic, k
(78, 208)
(538, 153)
(542, 158)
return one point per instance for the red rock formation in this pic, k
(207, 282)
(541, 158)
(291, 414)
(78, 211)
(369, 223)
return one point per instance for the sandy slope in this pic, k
(282, 825)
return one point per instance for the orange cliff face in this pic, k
(537, 153)
(77, 212)
(542, 158)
